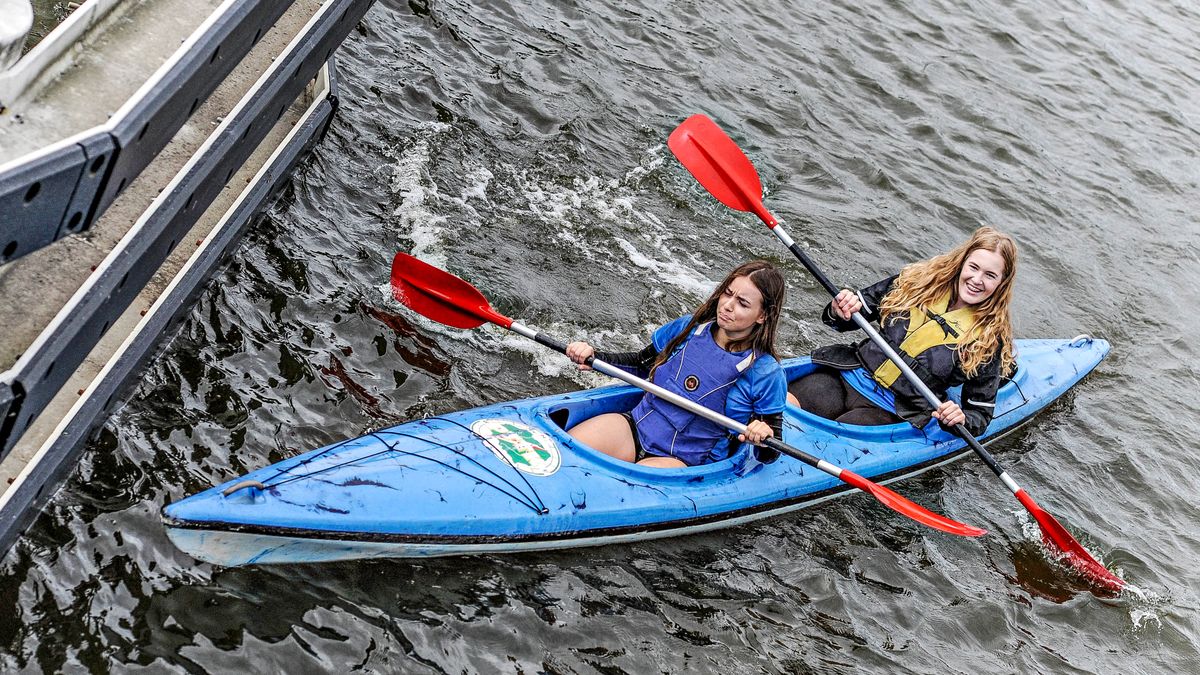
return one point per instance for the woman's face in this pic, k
(740, 308)
(979, 277)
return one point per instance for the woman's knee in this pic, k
(662, 462)
(820, 393)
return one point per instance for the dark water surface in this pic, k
(522, 146)
(47, 14)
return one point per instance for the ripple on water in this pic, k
(521, 146)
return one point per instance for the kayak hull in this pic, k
(231, 547)
(507, 478)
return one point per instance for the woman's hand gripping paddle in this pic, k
(725, 171)
(445, 298)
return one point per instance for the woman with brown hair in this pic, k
(722, 357)
(948, 317)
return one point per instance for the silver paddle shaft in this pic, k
(629, 378)
(862, 323)
(908, 373)
(671, 397)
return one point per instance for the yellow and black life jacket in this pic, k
(932, 327)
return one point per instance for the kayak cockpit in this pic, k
(558, 414)
(1008, 399)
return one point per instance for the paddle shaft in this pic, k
(443, 297)
(671, 397)
(725, 171)
(1051, 528)
(883, 344)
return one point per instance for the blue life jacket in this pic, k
(700, 371)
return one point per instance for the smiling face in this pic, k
(740, 308)
(979, 277)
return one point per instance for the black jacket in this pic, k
(937, 366)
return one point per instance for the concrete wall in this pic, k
(58, 385)
(16, 18)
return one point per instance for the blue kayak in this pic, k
(507, 477)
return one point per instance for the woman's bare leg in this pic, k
(609, 433)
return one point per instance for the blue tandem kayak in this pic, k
(507, 477)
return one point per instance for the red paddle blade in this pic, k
(911, 509)
(1073, 554)
(439, 295)
(719, 165)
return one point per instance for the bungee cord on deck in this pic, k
(534, 502)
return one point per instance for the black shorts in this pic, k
(639, 453)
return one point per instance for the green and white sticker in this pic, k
(527, 449)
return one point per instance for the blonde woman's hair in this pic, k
(923, 283)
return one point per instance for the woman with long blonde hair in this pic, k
(948, 317)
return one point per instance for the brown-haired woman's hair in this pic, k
(923, 283)
(770, 283)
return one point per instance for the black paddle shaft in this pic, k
(547, 341)
(813, 269)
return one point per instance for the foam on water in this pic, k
(477, 182)
(667, 270)
(417, 211)
(574, 209)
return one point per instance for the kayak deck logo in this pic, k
(524, 448)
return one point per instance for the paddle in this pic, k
(445, 298)
(725, 171)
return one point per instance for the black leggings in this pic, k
(826, 393)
